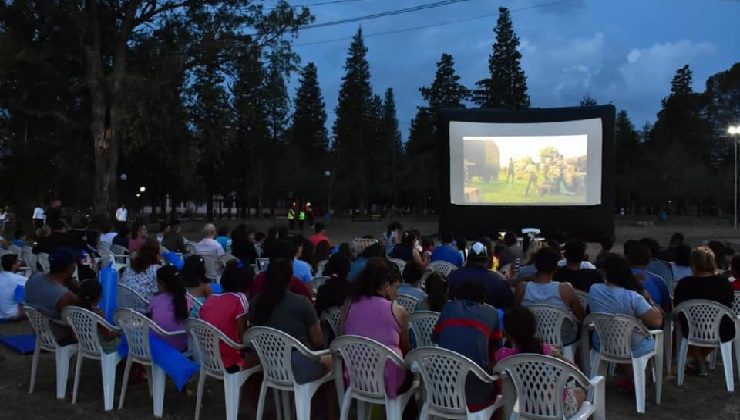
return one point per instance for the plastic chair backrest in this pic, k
(539, 381)
(213, 266)
(44, 262)
(422, 323)
(85, 323)
(320, 267)
(317, 282)
(408, 302)
(704, 317)
(136, 327)
(615, 334)
(15, 249)
(332, 316)
(118, 250)
(41, 325)
(359, 244)
(227, 258)
(274, 349)
(736, 303)
(207, 339)
(365, 360)
(444, 373)
(127, 297)
(196, 303)
(400, 264)
(441, 267)
(550, 323)
(582, 298)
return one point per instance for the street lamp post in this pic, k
(327, 173)
(734, 131)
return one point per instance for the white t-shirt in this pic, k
(585, 265)
(8, 283)
(121, 214)
(108, 237)
(38, 213)
(209, 246)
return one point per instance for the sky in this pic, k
(623, 52)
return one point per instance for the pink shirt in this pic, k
(162, 311)
(316, 238)
(222, 311)
(505, 352)
(372, 317)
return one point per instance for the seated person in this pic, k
(10, 308)
(89, 295)
(50, 293)
(173, 240)
(196, 282)
(408, 249)
(373, 251)
(498, 292)
(334, 292)
(301, 268)
(142, 275)
(705, 284)
(228, 312)
(639, 257)
(734, 275)
(520, 325)
(171, 307)
(437, 292)
(447, 251)
(580, 278)
(468, 326)
(223, 238)
(542, 290)
(372, 313)
(622, 294)
(411, 285)
(281, 249)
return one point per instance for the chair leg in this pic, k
(124, 384)
(303, 394)
(362, 409)
(158, 387)
(393, 409)
(638, 373)
(712, 358)
(287, 405)
(232, 386)
(35, 365)
(594, 363)
(683, 349)
(278, 405)
(108, 367)
(76, 385)
(736, 344)
(658, 369)
(346, 402)
(199, 393)
(261, 401)
(726, 350)
(62, 370)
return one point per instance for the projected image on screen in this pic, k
(525, 170)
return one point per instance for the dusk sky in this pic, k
(619, 51)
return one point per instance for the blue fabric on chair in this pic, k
(178, 367)
(109, 282)
(172, 258)
(23, 344)
(216, 288)
(20, 294)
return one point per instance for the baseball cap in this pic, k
(478, 250)
(63, 256)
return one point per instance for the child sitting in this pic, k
(89, 294)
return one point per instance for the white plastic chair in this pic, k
(400, 264)
(127, 297)
(540, 381)
(43, 259)
(359, 244)
(207, 339)
(422, 324)
(736, 303)
(408, 302)
(85, 325)
(317, 282)
(137, 328)
(550, 320)
(444, 373)
(214, 267)
(320, 267)
(582, 298)
(275, 349)
(365, 360)
(615, 336)
(227, 258)
(332, 316)
(441, 267)
(703, 318)
(45, 340)
(262, 264)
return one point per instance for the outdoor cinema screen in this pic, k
(526, 164)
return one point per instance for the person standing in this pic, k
(54, 214)
(121, 215)
(531, 177)
(38, 217)
(291, 216)
(510, 171)
(3, 218)
(301, 219)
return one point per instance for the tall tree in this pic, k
(351, 136)
(506, 86)
(587, 100)
(391, 137)
(446, 90)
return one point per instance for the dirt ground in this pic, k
(699, 398)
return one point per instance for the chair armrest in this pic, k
(312, 353)
(596, 380)
(172, 333)
(108, 325)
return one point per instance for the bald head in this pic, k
(209, 230)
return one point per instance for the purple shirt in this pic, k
(162, 311)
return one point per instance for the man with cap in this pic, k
(498, 292)
(50, 293)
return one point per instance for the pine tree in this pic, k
(277, 100)
(446, 90)
(350, 127)
(506, 86)
(392, 137)
(587, 100)
(681, 83)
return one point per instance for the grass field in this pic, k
(499, 191)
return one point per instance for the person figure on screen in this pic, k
(510, 171)
(531, 177)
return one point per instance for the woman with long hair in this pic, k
(372, 313)
(142, 275)
(171, 307)
(334, 291)
(437, 293)
(138, 237)
(408, 249)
